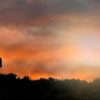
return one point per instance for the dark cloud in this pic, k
(25, 11)
(19, 11)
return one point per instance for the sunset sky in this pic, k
(50, 38)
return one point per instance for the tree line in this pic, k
(14, 88)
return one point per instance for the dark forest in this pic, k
(14, 88)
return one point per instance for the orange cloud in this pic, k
(52, 46)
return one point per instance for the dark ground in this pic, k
(13, 88)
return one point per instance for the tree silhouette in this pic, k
(14, 88)
(0, 62)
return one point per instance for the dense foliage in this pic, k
(13, 88)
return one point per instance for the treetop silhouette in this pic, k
(0, 62)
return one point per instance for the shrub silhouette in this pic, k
(14, 88)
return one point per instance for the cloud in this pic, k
(18, 12)
(39, 37)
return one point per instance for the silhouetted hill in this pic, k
(13, 88)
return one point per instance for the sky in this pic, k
(50, 38)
